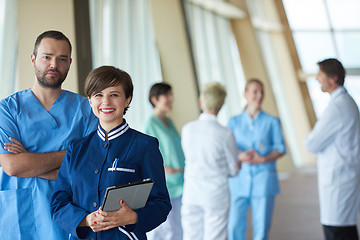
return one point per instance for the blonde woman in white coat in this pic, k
(211, 156)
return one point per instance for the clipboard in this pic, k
(135, 195)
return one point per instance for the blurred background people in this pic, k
(335, 141)
(211, 156)
(159, 125)
(258, 135)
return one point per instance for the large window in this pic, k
(216, 56)
(265, 28)
(122, 36)
(8, 42)
(324, 29)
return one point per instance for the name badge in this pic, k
(115, 167)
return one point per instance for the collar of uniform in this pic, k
(255, 117)
(114, 133)
(207, 116)
(337, 92)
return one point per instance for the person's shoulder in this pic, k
(270, 120)
(76, 101)
(151, 124)
(345, 96)
(78, 143)
(268, 116)
(142, 138)
(150, 120)
(221, 130)
(190, 125)
(74, 96)
(343, 105)
(17, 95)
(236, 118)
(13, 101)
(78, 147)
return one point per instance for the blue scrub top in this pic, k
(92, 164)
(264, 135)
(25, 202)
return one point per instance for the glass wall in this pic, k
(265, 28)
(216, 56)
(325, 29)
(8, 44)
(122, 36)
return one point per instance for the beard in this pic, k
(50, 82)
(324, 88)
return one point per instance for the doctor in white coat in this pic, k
(211, 156)
(335, 141)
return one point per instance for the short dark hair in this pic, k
(333, 68)
(50, 34)
(108, 76)
(158, 89)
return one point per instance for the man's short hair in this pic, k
(212, 96)
(158, 89)
(108, 76)
(333, 68)
(50, 34)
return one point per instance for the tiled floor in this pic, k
(296, 214)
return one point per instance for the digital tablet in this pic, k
(135, 195)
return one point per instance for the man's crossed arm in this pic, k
(21, 163)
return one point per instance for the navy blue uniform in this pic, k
(92, 164)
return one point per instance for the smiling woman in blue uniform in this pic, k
(87, 169)
(258, 135)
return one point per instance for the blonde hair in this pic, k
(253, 80)
(212, 96)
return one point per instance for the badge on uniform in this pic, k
(115, 168)
(261, 145)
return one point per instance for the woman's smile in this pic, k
(107, 110)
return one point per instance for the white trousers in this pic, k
(204, 222)
(171, 229)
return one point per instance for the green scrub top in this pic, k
(170, 148)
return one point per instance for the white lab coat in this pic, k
(335, 141)
(210, 158)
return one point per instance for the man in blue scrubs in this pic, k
(36, 126)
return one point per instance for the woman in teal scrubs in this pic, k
(159, 125)
(258, 135)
